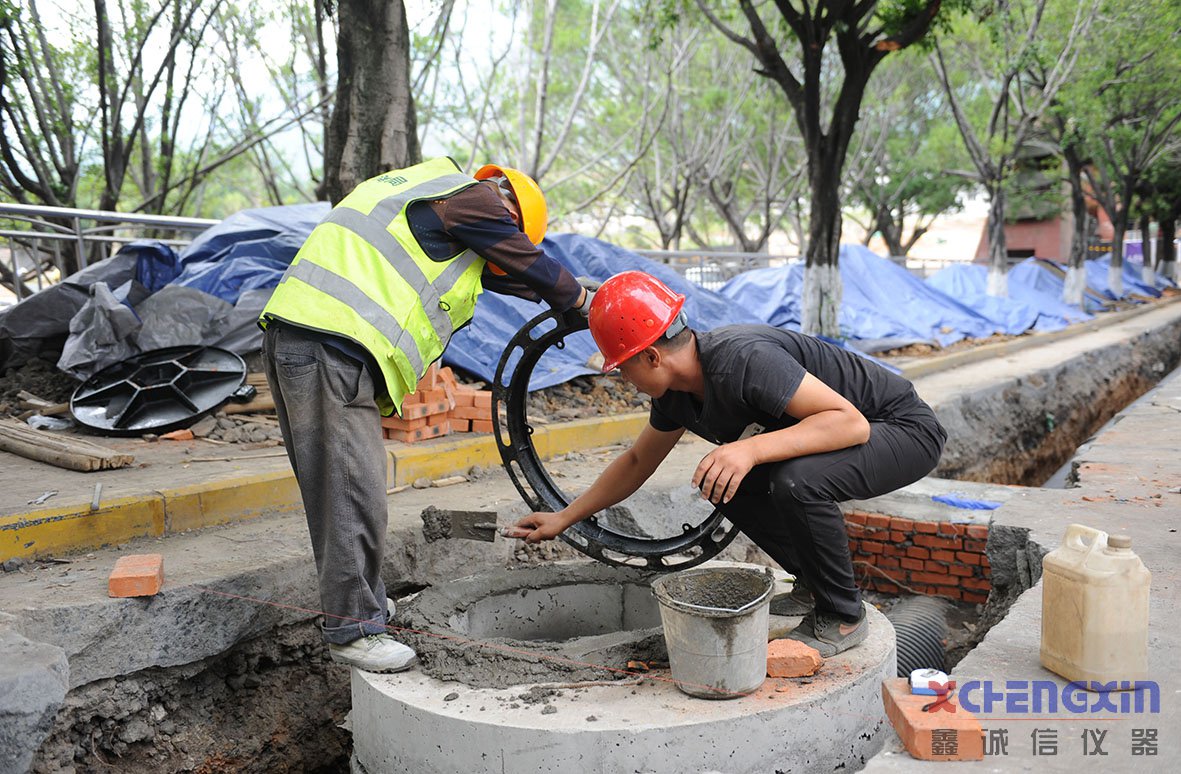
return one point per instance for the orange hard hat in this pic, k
(529, 198)
(629, 312)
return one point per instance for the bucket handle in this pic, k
(1079, 537)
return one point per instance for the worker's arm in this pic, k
(477, 218)
(827, 422)
(618, 482)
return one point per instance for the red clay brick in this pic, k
(978, 546)
(877, 520)
(898, 535)
(917, 729)
(792, 658)
(977, 583)
(892, 550)
(481, 425)
(885, 587)
(856, 517)
(898, 575)
(136, 575)
(978, 531)
(951, 592)
(930, 577)
(855, 530)
(419, 434)
(961, 570)
(984, 561)
(943, 556)
(419, 409)
(472, 412)
(967, 557)
(886, 562)
(434, 395)
(397, 423)
(926, 526)
(482, 398)
(872, 546)
(914, 552)
(463, 397)
(986, 571)
(947, 528)
(971, 596)
(912, 564)
(461, 425)
(931, 541)
(938, 567)
(906, 525)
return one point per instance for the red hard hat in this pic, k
(629, 312)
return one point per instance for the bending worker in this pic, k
(370, 301)
(800, 426)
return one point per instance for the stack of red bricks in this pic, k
(424, 412)
(472, 408)
(939, 558)
(439, 406)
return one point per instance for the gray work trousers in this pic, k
(789, 509)
(332, 431)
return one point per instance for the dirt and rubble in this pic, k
(206, 717)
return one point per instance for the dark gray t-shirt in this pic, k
(752, 372)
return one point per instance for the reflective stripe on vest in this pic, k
(347, 292)
(372, 228)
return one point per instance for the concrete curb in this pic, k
(68, 528)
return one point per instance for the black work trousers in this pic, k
(789, 509)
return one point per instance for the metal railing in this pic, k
(35, 240)
(710, 269)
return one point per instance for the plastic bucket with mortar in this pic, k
(715, 626)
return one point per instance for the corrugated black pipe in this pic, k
(921, 629)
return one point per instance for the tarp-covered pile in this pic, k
(148, 297)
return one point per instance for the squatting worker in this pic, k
(800, 426)
(370, 301)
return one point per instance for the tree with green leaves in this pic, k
(984, 68)
(793, 46)
(1127, 107)
(906, 164)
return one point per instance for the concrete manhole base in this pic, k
(414, 722)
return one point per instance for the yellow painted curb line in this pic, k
(76, 528)
(445, 458)
(236, 499)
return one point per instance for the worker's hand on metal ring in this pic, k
(720, 472)
(590, 283)
(537, 527)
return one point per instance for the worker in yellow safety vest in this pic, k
(370, 301)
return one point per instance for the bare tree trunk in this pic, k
(1147, 267)
(1115, 271)
(373, 126)
(998, 256)
(1076, 275)
(1168, 248)
(820, 305)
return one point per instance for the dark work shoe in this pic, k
(830, 634)
(796, 602)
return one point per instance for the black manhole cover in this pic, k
(158, 391)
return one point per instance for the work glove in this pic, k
(590, 286)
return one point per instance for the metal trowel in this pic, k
(440, 523)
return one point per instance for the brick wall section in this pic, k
(938, 558)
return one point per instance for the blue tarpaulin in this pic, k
(478, 347)
(1097, 277)
(882, 302)
(968, 282)
(1033, 281)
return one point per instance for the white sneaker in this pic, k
(375, 653)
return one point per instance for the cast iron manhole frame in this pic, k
(696, 543)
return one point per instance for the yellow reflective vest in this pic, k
(361, 274)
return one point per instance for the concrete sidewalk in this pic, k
(1129, 482)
